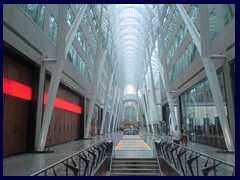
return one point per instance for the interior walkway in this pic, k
(29, 163)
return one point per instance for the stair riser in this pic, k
(136, 172)
(134, 167)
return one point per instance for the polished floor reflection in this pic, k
(132, 142)
(29, 163)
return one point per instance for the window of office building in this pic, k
(78, 6)
(171, 26)
(187, 57)
(70, 16)
(53, 27)
(94, 22)
(36, 12)
(228, 12)
(79, 64)
(80, 36)
(167, 13)
(181, 34)
(89, 75)
(213, 26)
(193, 12)
(85, 19)
(92, 57)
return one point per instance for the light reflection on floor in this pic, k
(132, 142)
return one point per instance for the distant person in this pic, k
(175, 133)
(184, 138)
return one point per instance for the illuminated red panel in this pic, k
(16, 89)
(61, 104)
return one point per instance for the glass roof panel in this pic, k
(129, 30)
(129, 21)
(131, 25)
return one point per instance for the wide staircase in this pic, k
(134, 167)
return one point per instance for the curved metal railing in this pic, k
(188, 162)
(83, 163)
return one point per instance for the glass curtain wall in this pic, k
(199, 115)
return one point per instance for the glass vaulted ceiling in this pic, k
(130, 26)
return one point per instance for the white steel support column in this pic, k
(140, 111)
(154, 95)
(166, 80)
(39, 104)
(73, 29)
(203, 45)
(138, 116)
(55, 78)
(120, 116)
(97, 71)
(105, 53)
(116, 118)
(212, 76)
(61, 54)
(145, 112)
(115, 111)
(161, 72)
(153, 86)
(117, 115)
(191, 27)
(109, 85)
(152, 79)
(229, 99)
(148, 104)
(112, 105)
(159, 106)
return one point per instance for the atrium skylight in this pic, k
(131, 25)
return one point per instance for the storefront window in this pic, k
(94, 121)
(199, 115)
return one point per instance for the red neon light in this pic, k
(61, 104)
(16, 89)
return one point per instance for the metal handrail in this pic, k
(110, 168)
(190, 166)
(100, 152)
(158, 161)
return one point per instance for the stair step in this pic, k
(135, 165)
(134, 174)
(135, 169)
(132, 161)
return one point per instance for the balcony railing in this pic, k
(188, 162)
(83, 163)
